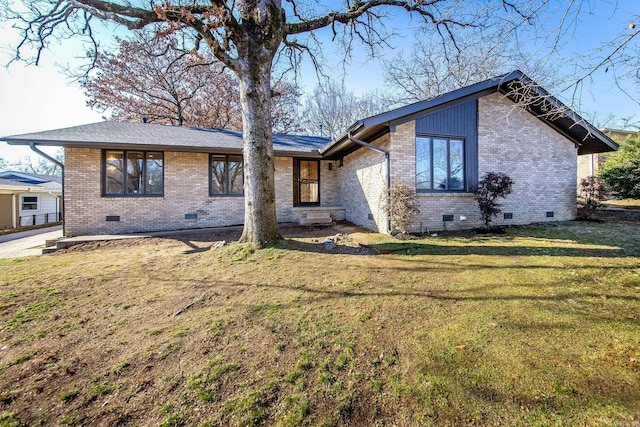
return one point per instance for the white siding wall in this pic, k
(47, 204)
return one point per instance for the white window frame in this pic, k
(22, 203)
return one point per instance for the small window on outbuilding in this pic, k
(29, 203)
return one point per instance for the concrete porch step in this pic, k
(315, 221)
(318, 214)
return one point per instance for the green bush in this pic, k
(621, 170)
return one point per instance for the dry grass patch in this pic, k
(623, 203)
(536, 326)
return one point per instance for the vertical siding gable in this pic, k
(460, 119)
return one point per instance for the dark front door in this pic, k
(306, 182)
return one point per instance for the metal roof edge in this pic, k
(569, 112)
(415, 108)
(351, 129)
(164, 148)
(442, 99)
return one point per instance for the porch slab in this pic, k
(310, 215)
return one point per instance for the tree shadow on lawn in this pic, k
(425, 248)
(589, 302)
(614, 240)
(418, 265)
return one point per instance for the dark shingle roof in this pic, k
(566, 121)
(109, 134)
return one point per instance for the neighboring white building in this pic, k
(29, 199)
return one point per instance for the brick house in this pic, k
(130, 177)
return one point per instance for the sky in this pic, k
(42, 98)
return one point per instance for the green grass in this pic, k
(538, 326)
(30, 313)
(68, 395)
(23, 358)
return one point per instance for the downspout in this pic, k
(36, 150)
(386, 161)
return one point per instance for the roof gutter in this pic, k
(340, 138)
(386, 161)
(36, 150)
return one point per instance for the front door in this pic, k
(306, 186)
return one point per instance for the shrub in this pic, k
(401, 205)
(621, 170)
(490, 188)
(591, 192)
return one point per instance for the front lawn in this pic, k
(623, 203)
(538, 326)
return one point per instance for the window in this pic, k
(439, 164)
(225, 176)
(133, 173)
(29, 203)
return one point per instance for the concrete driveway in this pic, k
(27, 243)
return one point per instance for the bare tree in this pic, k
(246, 36)
(152, 78)
(285, 115)
(38, 165)
(435, 67)
(620, 57)
(331, 109)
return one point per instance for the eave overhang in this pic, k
(150, 147)
(515, 85)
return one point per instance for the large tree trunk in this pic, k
(260, 222)
(262, 33)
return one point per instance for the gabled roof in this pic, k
(29, 178)
(30, 182)
(141, 136)
(515, 85)
(149, 136)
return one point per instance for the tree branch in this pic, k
(360, 9)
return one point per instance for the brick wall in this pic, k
(329, 196)
(541, 162)
(284, 188)
(186, 191)
(362, 181)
